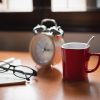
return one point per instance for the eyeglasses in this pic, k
(20, 71)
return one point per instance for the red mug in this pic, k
(75, 57)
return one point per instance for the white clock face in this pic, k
(42, 49)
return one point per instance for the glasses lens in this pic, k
(3, 66)
(23, 72)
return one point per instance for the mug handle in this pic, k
(98, 63)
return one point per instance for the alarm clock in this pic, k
(45, 46)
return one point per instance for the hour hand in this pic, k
(46, 49)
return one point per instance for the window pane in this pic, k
(17, 6)
(3, 5)
(98, 3)
(68, 5)
(20, 5)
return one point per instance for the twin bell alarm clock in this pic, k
(45, 46)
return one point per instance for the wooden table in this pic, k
(50, 85)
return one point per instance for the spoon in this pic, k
(90, 40)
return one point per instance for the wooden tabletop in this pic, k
(49, 84)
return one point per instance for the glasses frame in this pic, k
(34, 73)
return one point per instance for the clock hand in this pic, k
(45, 49)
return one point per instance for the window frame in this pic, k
(69, 21)
(21, 20)
(76, 21)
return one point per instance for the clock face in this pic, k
(42, 49)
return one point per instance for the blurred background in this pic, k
(80, 19)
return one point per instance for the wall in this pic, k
(15, 40)
(10, 41)
(84, 37)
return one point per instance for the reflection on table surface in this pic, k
(49, 84)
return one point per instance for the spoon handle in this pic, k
(90, 39)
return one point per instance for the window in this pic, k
(98, 3)
(3, 5)
(20, 5)
(16, 6)
(19, 14)
(75, 15)
(74, 5)
(68, 5)
(72, 15)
